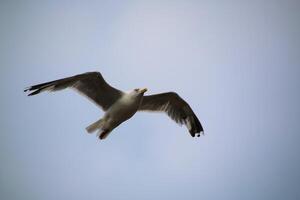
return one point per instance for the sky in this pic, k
(237, 64)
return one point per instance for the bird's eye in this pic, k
(136, 90)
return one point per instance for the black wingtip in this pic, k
(27, 89)
(198, 133)
(197, 129)
(33, 91)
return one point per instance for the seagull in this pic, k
(120, 106)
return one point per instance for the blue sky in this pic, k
(235, 62)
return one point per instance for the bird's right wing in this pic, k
(90, 84)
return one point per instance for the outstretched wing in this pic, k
(90, 84)
(175, 107)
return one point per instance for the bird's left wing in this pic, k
(176, 108)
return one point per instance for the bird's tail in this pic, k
(95, 126)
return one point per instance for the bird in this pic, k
(119, 106)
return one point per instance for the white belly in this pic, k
(121, 111)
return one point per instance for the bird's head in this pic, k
(140, 91)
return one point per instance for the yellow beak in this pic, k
(144, 90)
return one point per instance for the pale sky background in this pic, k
(236, 62)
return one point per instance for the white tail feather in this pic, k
(94, 126)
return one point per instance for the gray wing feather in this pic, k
(90, 84)
(175, 107)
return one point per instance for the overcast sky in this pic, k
(237, 63)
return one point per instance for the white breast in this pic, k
(123, 109)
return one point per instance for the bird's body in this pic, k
(122, 110)
(120, 106)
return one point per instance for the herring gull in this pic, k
(119, 106)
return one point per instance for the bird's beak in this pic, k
(144, 90)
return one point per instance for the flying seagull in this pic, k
(119, 106)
